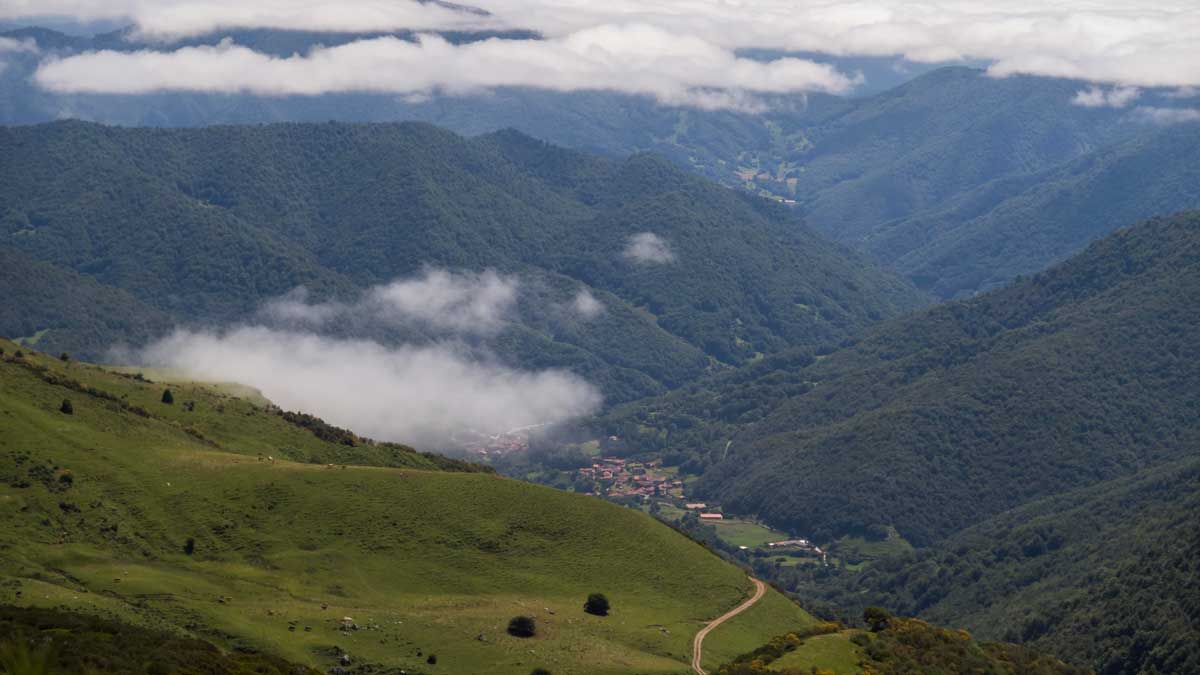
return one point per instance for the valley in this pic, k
(532, 337)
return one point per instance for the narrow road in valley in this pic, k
(698, 644)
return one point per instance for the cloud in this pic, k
(683, 52)
(1167, 116)
(13, 45)
(634, 59)
(586, 305)
(647, 248)
(455, 302)
(417, 395)
(1099, 97)
(464, 302)
(169, 19)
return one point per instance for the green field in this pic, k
(855, 551)
(833, 652)
(423, 560)
(747, 533)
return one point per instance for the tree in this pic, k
(64, 357)
(189, 547)
(877, 619)
(539, 671)
(596, 604)
(66, 408)
(522, 627)
(168, 397)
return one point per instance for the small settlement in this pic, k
(616, 477)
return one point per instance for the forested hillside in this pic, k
(932, 423)
(1106, 576)
(1020, 225)
(207, 224)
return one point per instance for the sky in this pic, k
(679, 52)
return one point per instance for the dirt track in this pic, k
(698, 643)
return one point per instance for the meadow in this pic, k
(172, 516)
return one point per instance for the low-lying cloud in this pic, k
(455, 302)
(1099, 97)
(586, 305)
(417, 395)
(634, 59)
(298, 354)
(1167, 116)
(647, 248)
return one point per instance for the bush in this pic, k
(522, 627)
(432, 660)
(189, 547)
(596, 604)
(539, 671)
(876, 619)
(168, 397)
(64, 357)
(66, 408)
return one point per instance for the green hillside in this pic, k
(936, 422)
(207, 224)
(218, 519)
(1021, 225)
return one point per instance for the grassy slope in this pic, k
(428, 559)
(833, 652)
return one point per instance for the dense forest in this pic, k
(204, 225)
(1108, 575)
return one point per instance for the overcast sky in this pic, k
(682, 52)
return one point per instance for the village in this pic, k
(650, 485)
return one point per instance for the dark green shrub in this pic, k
(168, 397)
(522, 627)
(596, 604)
(66, 408)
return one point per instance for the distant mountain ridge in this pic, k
(942, 177)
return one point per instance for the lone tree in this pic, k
(168, 397)
(522, 627)
(876, 619)
(596, 604)
(66, 408)
(189, 546)
(64, 357)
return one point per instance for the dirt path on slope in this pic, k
(760, 589)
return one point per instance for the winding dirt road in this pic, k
(698, 643)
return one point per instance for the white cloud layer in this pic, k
(166, 19)
(417, 395)
(680, 51)
(647, 248)
(635, 59)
